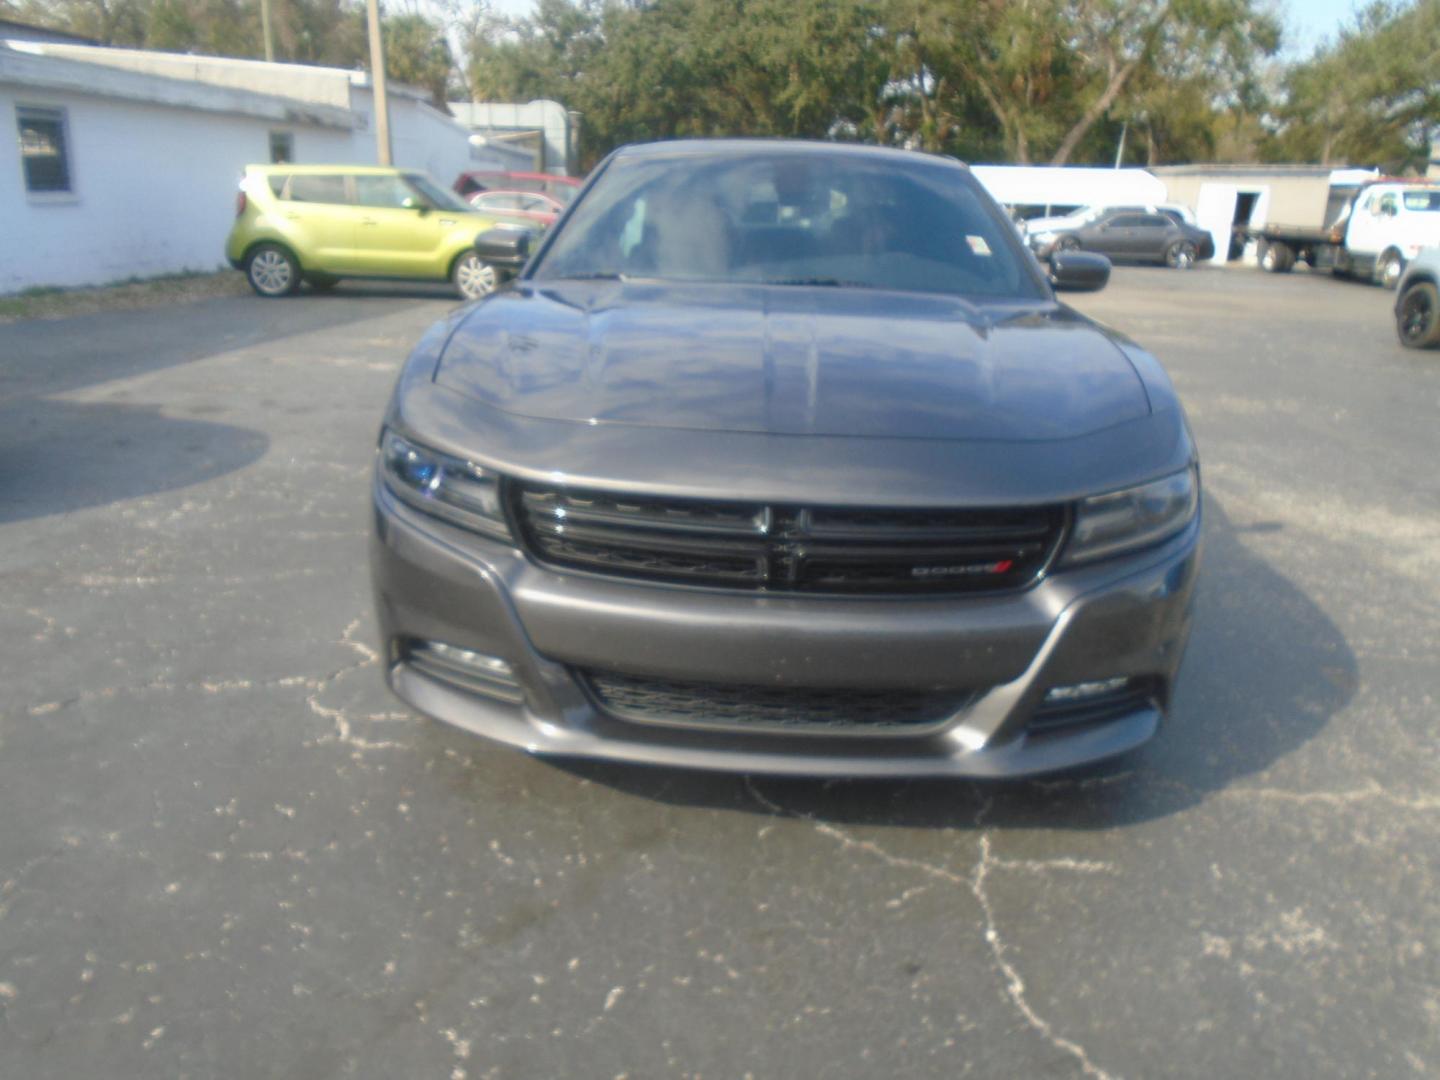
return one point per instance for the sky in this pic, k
(1307, 22)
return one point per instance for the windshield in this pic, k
(793, 218)
(437, 196)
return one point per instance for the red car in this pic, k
(530, 205)
(560, 188)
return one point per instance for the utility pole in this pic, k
(377, 82)
(1120, 150)
(265, 30)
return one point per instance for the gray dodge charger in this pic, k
(782, 457)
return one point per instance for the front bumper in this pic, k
(1124, 617)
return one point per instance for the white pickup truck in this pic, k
(1374, 236)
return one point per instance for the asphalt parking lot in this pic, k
(226, 851)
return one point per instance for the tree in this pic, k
(110, 22)
(416, 53)
(1373, 96)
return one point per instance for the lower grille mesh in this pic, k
(772, 708)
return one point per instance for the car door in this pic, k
(540, 207)
(1151, 235)
(1368, 220)
(398, 232)
(1110, 235)
(320, 219)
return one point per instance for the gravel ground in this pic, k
(226, 851)
(129, 296)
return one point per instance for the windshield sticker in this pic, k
(978, 245)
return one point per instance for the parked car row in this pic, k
(318, 224)
(559, 189)
(1158, 233)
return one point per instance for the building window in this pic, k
(44, 151)
(282, 148)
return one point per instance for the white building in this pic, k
(1031, 191)
(126, 161)
(542, 136)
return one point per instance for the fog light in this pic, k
(1085, 691)
(467, 669)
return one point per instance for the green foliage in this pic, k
(1372, 96)
(1018, 80)
(1012, 79)
(416, 53)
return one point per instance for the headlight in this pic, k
(1134, 518)
(1042, 238)
(444, 486)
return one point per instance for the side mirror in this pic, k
(1079, 271)
(504, 247)
(412, 203)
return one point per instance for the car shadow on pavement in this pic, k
(53, 356)
(1265, 671)
(352, 289)
(59, 456)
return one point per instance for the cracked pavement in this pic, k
(226, 851)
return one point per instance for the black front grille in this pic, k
(772, 708)
(788, 548)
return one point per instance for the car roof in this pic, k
(553, 177)
(329, 170)
(728, 147)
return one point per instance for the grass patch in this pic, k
(48, 302)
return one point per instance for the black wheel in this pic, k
(1180, 255)
(474, 278)
(272, 271)
(1067, 243)
(1276, 258)
(321, 282)
(1389, 269)
(1417, 316)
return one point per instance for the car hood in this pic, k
(792, 361)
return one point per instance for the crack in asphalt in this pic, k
(344, 734)
(975, 884)
(316, 686)
(1372, 791)
(156, 686)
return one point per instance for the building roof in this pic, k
(34, 65)
(305, 82)
(1232, 169)
(19, 31)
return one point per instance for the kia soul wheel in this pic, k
(272, 271)
(474, 278)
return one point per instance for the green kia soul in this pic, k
(321, 223)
